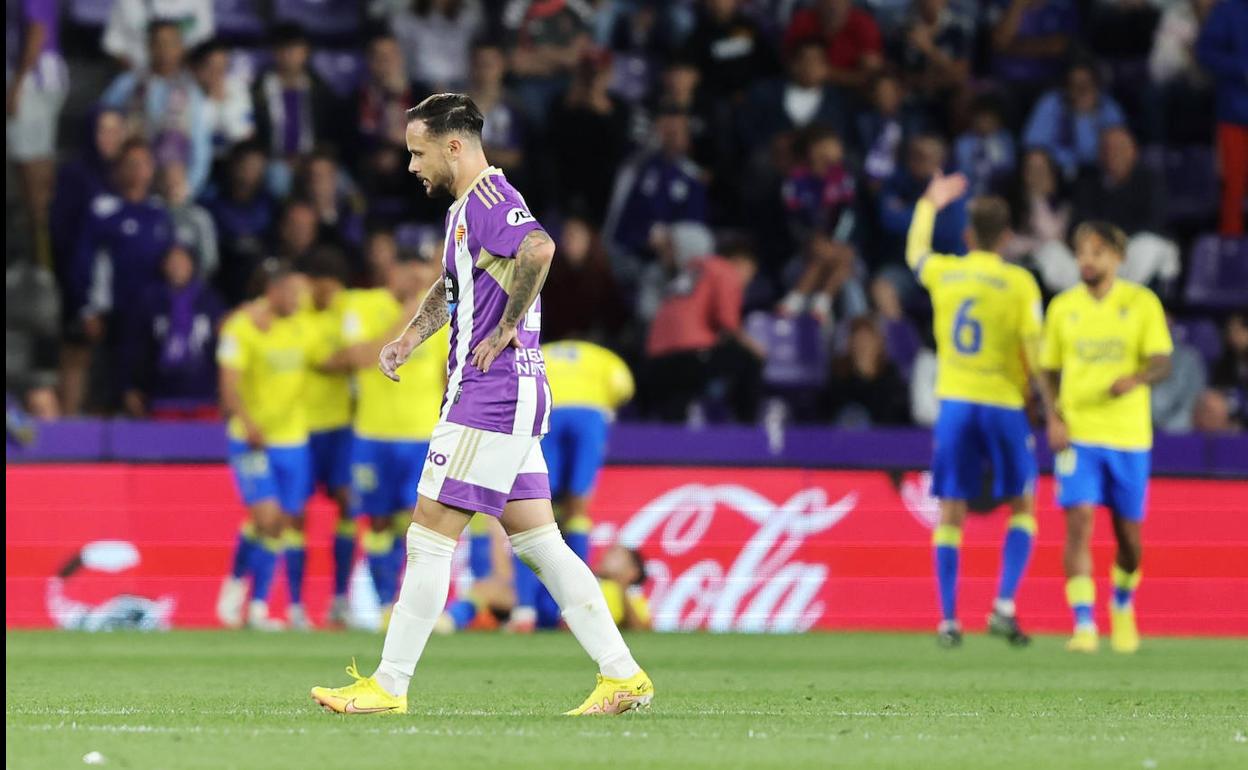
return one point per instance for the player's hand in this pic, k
(943, 190)
(132, 400)
(394, 355)
(489, 348)
(255, 439)
(1059, 436)
(1124, 385)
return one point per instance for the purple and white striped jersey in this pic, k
(483, 230)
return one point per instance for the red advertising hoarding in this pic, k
(727, 549)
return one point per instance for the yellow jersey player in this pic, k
(393, 422)
(1105, 344)
(264, 354)
(987, 324)
(587, 384)
(328, 402)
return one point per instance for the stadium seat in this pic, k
(796, 355)
(1191, 180)
(324, 20)
(1202, 334)
(239, 19)
(341, 70)
(90, 13)
(1217, 273)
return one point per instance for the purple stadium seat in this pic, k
(1217, 273)
(1202, 334)
(342, 71)
(331, 20)
(90, 13)
(796, 355)
(1191, 180)
(239, 19)
(630, 77)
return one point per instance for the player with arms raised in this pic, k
(1105, 344)
(485, 453)
(987, 324)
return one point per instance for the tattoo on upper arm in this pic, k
(529, 275)
(433, 313)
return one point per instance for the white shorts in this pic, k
(31, 133)
(480, 470)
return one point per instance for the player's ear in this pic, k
(454, 145)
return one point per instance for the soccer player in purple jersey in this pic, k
(485, 454)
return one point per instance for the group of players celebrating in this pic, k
(1091, 359)
(365, 393)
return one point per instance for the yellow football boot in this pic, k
(1084, 640)
(616, 696)
(1124, 636)
(363, 696)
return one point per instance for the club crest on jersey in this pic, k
(461, 232)
(518, 216)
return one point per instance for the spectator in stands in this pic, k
(436, 37)
(298, 231)
(935, 54)
(193, 227)
(1186, 90)
(168, 355)
(924, 157)
(1174, 398)
(819, 197)
(581, 300)
(1030, 41)
(120, 248)
(338, 211)
(729, 49)
(588, 122)
(1214, 414)
(165, 106)
(885, 127)
(779, 108)
(864, 387)
(661, 185)
(850, 37)
(503, 135)
(384, 96)
(549, 38)
(1223, 50)
(696, 336)
(985, 153)
(381, 252)
(130, 23)
(1230, 373)
(244, 214)
(227, 104)
(902, 341)
(295, 111)
(1042, 214)
(32, 343)
(1069, 122)
(38, 83)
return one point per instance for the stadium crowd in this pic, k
(729, 182)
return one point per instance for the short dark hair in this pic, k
(640, 563)
(1111, 234)
(158, 24)
(200, 53)
(132, 144)
(282, 35)
(448, 113)
(989, 217)
(268, 272)
(325, 261)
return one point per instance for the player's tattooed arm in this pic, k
(433, 314)
(1155, 370)
(533, 258)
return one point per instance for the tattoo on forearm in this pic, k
(528, 278)
(433, 313)
(1156, 370)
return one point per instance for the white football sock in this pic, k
(1004, 607)
(420, 604)
(579, 596)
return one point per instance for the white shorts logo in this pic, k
(517, 217)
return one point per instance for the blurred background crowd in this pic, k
(729, 182)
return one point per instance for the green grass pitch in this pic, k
(235, 700)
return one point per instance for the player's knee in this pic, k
(1079, 524)
(952, 512)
